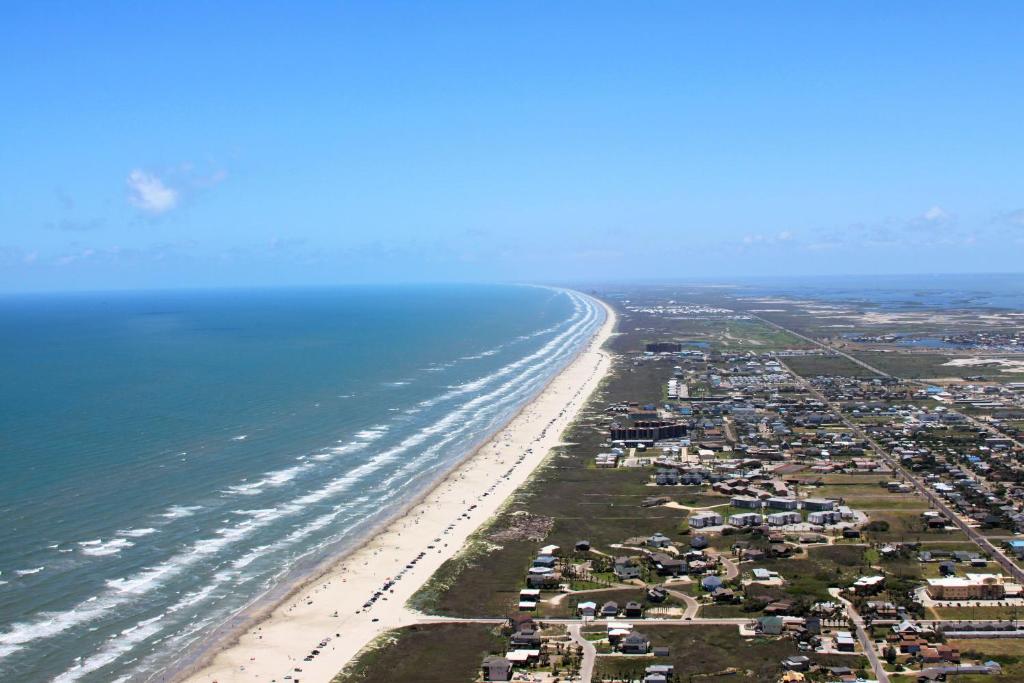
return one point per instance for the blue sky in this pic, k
(203, 144)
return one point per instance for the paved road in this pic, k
(589, 653)
(865, 642)
(691, 603)
(732, 570)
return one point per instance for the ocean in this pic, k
(167, 459)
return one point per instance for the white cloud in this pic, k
(936, 214)
(149, 193)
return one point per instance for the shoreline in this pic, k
(270, 641)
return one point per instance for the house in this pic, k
(582, 546)
(699, 542)
(635, 643)
(842, 673)
(586, 609)
(754, 554)
(528, 598)
(845, 642)
(906, 627)
(761, 574)
(521, 622)
(868, 584)
(783, 503)
(526, 639)
(496, 668)
(851, 533)
(710, 583)
(825, 517)
(881, 610)
(657, 594)
(819, 504)
(947, 568)
(666, 670)
(910, 644)
(770, 626)
(548, 580)
(745, 502)
(610, 609)
(523, 657)
(784, 518)
(963, 556)
(666, 565)
(940, 653)
(745, 519)
(625, 569)
(634, 610)
(797, 663)
(778, 607)
(705, 519)
(659, 540)
(546, 561)
(538, 580)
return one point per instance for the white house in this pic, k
(704, 519)
(783, 518)
(746, 519)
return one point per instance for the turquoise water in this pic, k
(165, 459)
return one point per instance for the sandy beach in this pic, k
(328, 614)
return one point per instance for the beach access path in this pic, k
(327, 614)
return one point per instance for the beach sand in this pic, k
(329, 609)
